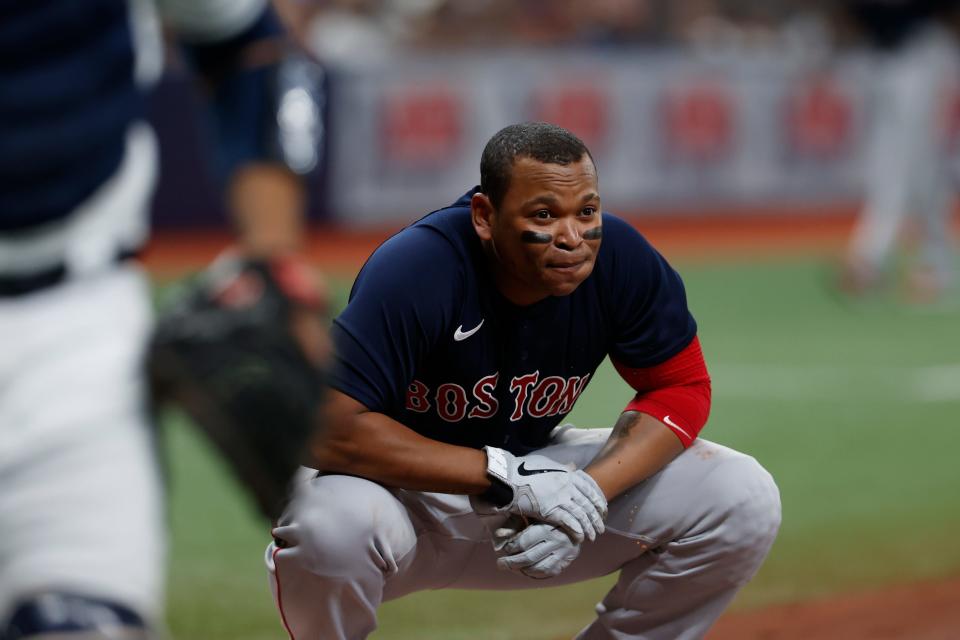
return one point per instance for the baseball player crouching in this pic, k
(468, 337)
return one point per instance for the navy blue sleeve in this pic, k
(400, 305)
(248, 76)
(645, 298)
(217, 58)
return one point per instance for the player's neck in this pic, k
(515, 291)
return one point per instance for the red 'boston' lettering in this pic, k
(521, 386)
(417, 397)
(545, 396)
(451, 402)
(564, 401)
(483, 392)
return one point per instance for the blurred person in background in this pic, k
(82, 531)
(907, 165)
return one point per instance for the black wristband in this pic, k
(499, 494)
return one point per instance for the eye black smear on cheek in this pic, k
(536, 237)
(593, 233)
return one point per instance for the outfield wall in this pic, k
(669, 130)
(665, 129)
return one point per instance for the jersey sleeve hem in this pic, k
(676, 392)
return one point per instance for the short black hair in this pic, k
(540, 141)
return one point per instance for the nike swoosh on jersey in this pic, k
(522, 470)
(460, 334)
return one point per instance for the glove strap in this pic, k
(497, 463)
(500, 493)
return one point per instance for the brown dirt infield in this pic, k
(919, 611)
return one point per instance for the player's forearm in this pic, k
(266, 201)
(373, 446)
(638, 447)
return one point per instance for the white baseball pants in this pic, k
(684, 542)
(81, 507)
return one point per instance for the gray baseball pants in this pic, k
(684, 542)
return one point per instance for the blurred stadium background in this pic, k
(732, 134)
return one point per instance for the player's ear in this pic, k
(481, 212)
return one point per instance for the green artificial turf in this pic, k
(854, 408)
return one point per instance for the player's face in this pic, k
(545, 235)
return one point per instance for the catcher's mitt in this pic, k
(227, 352)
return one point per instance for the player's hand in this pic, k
(543, 490)
(539, 551)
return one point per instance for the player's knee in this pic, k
(761, 498)
(344, 524)
(749, 517)
(73, 617)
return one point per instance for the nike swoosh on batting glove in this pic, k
(543, 490)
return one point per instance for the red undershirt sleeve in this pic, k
(676, 392)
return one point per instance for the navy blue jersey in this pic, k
(428, 340)
(67, 96)
(69, 93)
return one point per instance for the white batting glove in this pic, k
(543, 490)
(540, 551)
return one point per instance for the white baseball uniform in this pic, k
(81, 505)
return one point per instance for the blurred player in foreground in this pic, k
(468, 337)
(907, 174)
(82, 526)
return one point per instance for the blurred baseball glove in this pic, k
(241, 351)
